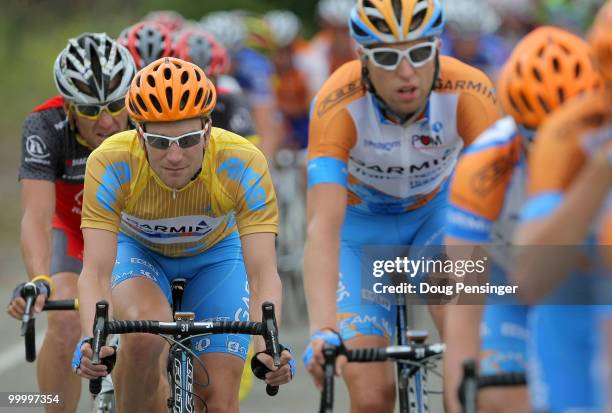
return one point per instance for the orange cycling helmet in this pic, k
(170, 89)
(548, 67)
(601, 40)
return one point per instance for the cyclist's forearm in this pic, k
(265, 287)
(36, 244)
(540, 270)
(92, 288)
(572, 221)
(321, 257)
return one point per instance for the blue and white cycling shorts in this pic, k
(216, 288)
(562, 351)
(503, 343)
(360, 311)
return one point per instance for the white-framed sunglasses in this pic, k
(186, 140)
(389, 59)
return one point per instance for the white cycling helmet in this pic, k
(227, 27)
(335, 12)
(285, 26)
(471, 17)
(101, 67)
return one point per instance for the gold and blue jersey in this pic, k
(232, 191)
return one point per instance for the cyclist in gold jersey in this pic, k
(178, 198)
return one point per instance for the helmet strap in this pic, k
(382, 105)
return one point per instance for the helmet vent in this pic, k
(577, 70)
(543, 104)
(525, 102)
(149, 52)
(536, 74)
(167, 74)
(357, 29)
(184, 100)
(561, 94)
(133, 108)
(397, 9)
(115, 81)
(380, 24)
(198, 97)
(439, 21)
(513, 103)
(198, 77)
(155, 103)
(209, 98)
(141, 103)
(184, 77)
(556, 65)
(169, 96)
(417, 20)
(150, 80)
(96, 67)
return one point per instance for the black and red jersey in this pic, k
(52, 152)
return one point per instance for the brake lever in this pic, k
(271, 339)
(99, 339)
(29, 293)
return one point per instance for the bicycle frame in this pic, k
(180, 364)
(410, 379)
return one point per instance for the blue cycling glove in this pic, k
(329, 337)
(78, 354)
(108, 361)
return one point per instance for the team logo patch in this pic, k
(36, 148)
(424, 141)
(203, 344)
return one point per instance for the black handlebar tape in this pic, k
(60, 305)
(99, 339)
(30, 341)
(505, 379)
(367, 354)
